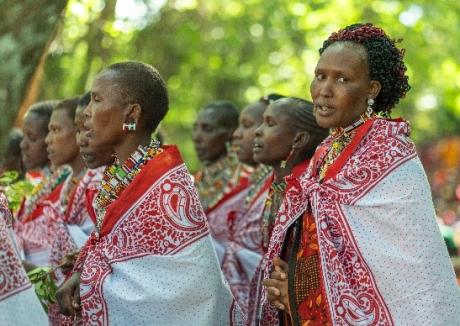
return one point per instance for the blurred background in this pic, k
(237, 50)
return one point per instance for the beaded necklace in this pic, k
(256, 180)
(271, 207)
(45, 187)
(118, 176)
(217, 180)
(342, 137)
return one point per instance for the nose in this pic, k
(258, 131)
(48, 139)
(196, 136)
(87, 110)
(82, 141)
(237, 134)
(325, 88)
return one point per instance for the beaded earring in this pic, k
(129, 126)
(369, 109)
(284, 162)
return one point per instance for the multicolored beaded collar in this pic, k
(45, 187)
(118, 176)
(342, 137)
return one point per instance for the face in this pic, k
(243, 137)
(208, 137)
(62, 145)
(93, 157)
(341, 86)
(33, 146)
(274, 138)
(104, 116)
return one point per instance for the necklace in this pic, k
(257, 181)
(118, 176)
(272, 205)
(45, 187)
(342, 137)
(216, 180)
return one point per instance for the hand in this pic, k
(69, 261)
(277, 285)
(68, 296)
(28, 266)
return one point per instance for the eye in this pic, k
(95, 98)
(319, 76)
(247, 124)
(270, 123)
(341, 80)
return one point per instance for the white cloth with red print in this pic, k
(383, 260)
(19, 306)
(153, 263)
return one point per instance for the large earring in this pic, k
(284, 162)
(370, 110)
(129, 126)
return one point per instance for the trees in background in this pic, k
(26, 28)
(240, 50)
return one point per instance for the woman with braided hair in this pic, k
(292, 120)
(365, 249)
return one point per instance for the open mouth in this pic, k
(257, 148)
(324, 110)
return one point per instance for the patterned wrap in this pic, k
(156, 218)
(244, 249)
(18, 301)
(376, 231)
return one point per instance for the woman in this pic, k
(12, 160)
(292, 120)
(33, 146)
(242, 252)
(74, 212)
(36, 225)
(18, 303)
(150, 260)
(365, 248)
(222, 182)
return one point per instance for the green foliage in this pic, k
(25, 28)
(240, 50)
(44, 285)
(15, 190)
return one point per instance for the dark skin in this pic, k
(243, 138)
(61, 143)
(340, 91)
(104, 118)
(342, 85)
(33, 146)
(269, 150)
(93, 157)
(209, 136)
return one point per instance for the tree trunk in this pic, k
(26, 29)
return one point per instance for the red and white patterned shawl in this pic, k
(159, 214)
(379, 147)
(353, 294)
(233, 201)
(72, 211)
(244, 244)
(13, 278)
(36, 234)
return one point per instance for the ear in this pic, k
(301, 140)
(374, 89)
(133, 113)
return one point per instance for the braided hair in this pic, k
(385, 62)
(300, 112)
